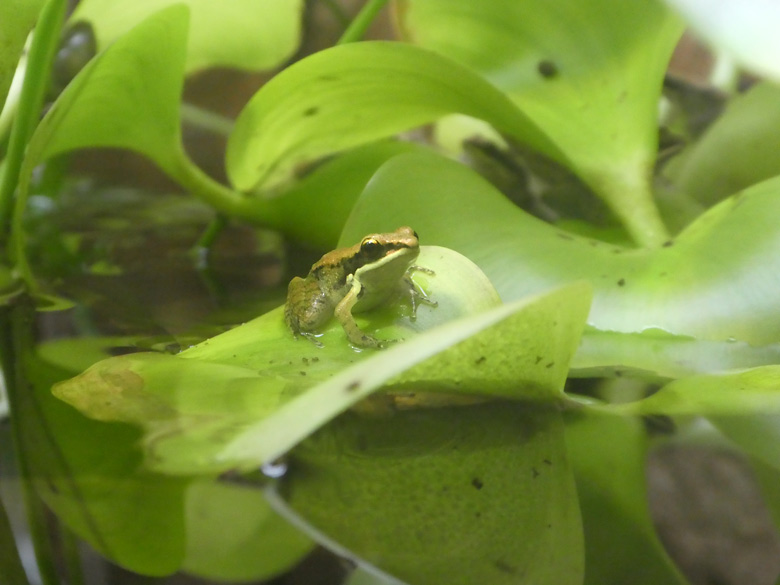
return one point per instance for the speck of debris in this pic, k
(305, 361)
(668, 244)
(538, 359)
(309, 112)
(352, 386)
(621, 282)
(302, 373)
(550, 365)
(564, 236)
(535, 472)
(547, 69)
(505, 567)
(546, 461)
(477, 483)
(480, 360)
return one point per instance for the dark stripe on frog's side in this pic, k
(349, 265)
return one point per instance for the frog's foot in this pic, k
(417, 295)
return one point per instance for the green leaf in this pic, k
(127, 97)
(17, 18)
(743, 29)
(738, 150)
(246, 34)
(353, 94)
(89, 474)
(716, 281)
(11, 569)
(452, 496)
(247, 396)
(614, 506)
(588, 73)
(234, 535)
(744, 405)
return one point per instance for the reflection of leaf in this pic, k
(588, 73)
(247, 34)
(453, 496)
(717, 281)
(353, 94)
(261, 391)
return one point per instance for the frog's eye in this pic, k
(416, 237)
(371, 247)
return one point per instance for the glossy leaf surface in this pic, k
(17, 18)
(249, 395)
(353, 94)
(455, 496)
(588, 73)
(715, 281)
(247, 34)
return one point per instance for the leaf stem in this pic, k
(357, 29)
(43, 47)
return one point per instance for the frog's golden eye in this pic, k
(371, 247)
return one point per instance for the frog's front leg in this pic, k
(417, 295)
(343, 312)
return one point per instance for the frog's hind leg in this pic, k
(343, 312)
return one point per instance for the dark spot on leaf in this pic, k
(535, 472)
(564, 236)
(546, 461)
(352, 386)
(547, 69)
(668, 244)
(662, 274)
(309, 112)
(302, 373)
(315, 359)
(505, 567)
(617, 251)
(622, 282)
(329, 78)
(480, 360)
(538, 359)
(550, 365)
(618, 373)
(477, 483)
(477, 514)
(305, 361)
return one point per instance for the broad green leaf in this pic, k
(656, 355)
(738, 150)
(233, 534)
(614, 506)
(11, 569)
(588, 73)
(745, 405)
(249, 395)
(313, 211)
(716, 281)
(353, 94)
(89, 473)
(17, 18)
(127, 97)
(114, 504)
(247, 34)
(744, 29)
(450, 496)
